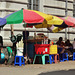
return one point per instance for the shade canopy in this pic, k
(55, 21)
(71, 20)
(30, 17)
(54, 29)
(2, 21)
(68, 22)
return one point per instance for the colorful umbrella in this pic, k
(71, 20)
(30, 17)
(2, 22)
(55, 21)
(68, 22)
(54, 29)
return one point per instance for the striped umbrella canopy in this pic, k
(2, 22)
(54, 29)
(68, 22)
(30, 17)
(70, 19)
(55, 21)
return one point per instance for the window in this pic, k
(74, 9)
(33, 4)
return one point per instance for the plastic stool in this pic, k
(65, 56)
(73, 56)
(55, 58)
(51, 58)
(43, 57)
(19, 62)
(61, 57)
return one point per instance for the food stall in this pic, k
(31, 43)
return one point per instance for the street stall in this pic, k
(28, 17)
(38, 19)
(31, 41)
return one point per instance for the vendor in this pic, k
(60, 45)
(68, 46)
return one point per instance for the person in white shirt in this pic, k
(74, 45)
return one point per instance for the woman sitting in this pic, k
(68, 46)
(60, 45)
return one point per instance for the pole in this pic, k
(35, 4)
(26, 41)
(41, 5)
(31, 4)
(26, 55)
(68, 34)
(12, 30)
(66, 15)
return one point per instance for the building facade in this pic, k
(53, 7)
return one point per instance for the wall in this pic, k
(57, 7)
(7, 7)
(53, 7)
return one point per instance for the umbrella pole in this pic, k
(47, 34)
(26, 55)
(26, 41)
(12, 33)
(42, 31)
(12, 30)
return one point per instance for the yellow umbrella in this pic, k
(48, 23)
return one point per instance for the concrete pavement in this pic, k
(66, 67)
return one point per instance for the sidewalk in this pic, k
(37, 69)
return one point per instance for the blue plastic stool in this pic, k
(73, 56)
(20, 61)
(65, 56)
(51, 58)
(61, 57)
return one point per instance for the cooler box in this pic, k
(53, 49)
(42, 48)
